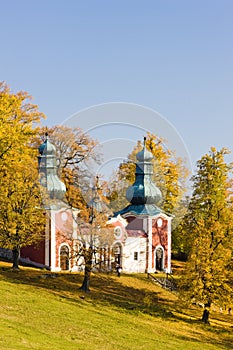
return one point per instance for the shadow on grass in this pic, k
(129, 293)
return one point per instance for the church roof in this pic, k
(47, 148)
(143, 191)
(144, 155)
(48, 170)
(143, 209)
(143, 194)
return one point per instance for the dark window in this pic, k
(135, 255)
(64, 258)
(117, 253)
(159, 259)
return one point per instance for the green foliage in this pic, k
(209, 233)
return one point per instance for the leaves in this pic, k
(209, 228)
(21, 217)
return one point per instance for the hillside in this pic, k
(40, 310)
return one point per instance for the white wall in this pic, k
(131, 246)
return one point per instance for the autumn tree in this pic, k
(95, 237)
(209, 229)
(20, 217)
(22, 220)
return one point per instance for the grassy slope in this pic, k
(130, 312)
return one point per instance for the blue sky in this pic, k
(175, 57)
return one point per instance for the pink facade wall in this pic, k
(64, 234)
(160, 238)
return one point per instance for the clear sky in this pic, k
(174, 56)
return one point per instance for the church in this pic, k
(142, 231)
(146, 244)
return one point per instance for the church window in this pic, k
(135, 255)
(64, 257)
(117, 232)
(117, 251)
(159, 259)
(160, 222)
(64, 216)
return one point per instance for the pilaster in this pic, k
(149, 232)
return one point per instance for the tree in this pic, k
(209, 229)
(95, 237)
(17, 120)
(20, 217)
(94, 248)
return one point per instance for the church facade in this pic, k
(147, 246)
(142, 231)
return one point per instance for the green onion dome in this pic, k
(48, 170)
(143, 191)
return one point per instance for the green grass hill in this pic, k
(45, 311)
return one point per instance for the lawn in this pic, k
(40, 310)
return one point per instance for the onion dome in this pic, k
(143, 195)
(48, 170)
(143, 191)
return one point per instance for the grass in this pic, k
(40, 310)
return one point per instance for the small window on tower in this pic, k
(135, 255)
(117, 232)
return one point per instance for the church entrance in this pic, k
(159, 259)
(64, 258)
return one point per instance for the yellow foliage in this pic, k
(20, 218)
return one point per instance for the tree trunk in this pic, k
(86, 280)
(15, 252)
(88, 267)
(206, 313)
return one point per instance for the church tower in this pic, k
(143, 194)
(148, 228)
(48, 177)
(56, 250)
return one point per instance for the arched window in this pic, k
(159, 259)
(64, 258)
